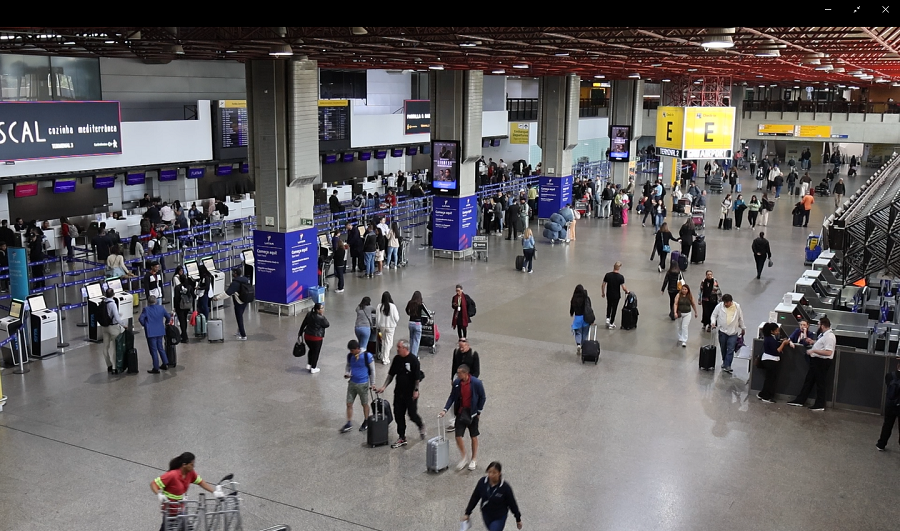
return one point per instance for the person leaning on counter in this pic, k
(803, 337)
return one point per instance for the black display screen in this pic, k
(334, 120)
(54, 129)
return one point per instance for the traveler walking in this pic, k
(769, 361)
(386, 318)
(839, 191)
(821, 356)
(172, 486)
(406, 392)
(112, 325)
(672, 282)
(661, 245)
(891, 405)
(753, 209)
(805, 183)
(240, 287)
(416, 311)
(463, 355)
(365, 320)
(807, 201)
(761, 253)
(154, 318)
(709, 299)
(739, 207)
(360, 375)
(496, 499)
(528, 249)
(312, 330)
(683, 306)
(582, 314)
(467, 400)
(729, 319)
(686, 234)
(613, 285)
(463, 311)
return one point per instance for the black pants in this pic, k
(647, 211)
(672, 295)
(612, 304)
(314, 347)
(760, 263)
(405, 406)
(708, 308)
(818, 371)
(751, 217)
(38, 271)
(529, 259)
(738, 217)
(686, 249)
(771, 369)
(805, 218)
(356, 262)
(183, 322)
(339, 273)
(662, 259)
(890, 416)
(511, 232)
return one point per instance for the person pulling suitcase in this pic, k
(406, 393)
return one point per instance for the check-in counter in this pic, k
(345, 193)
(127, 226)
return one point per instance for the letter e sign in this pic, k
(708, 129)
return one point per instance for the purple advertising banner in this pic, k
(168, 175)
(555, 193)
(455, 220)
(196, 173)
(135, 178)
(286, 264)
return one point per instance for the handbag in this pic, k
(770, 263)
(464, 417)
(666, 249)
(299, 349)
(680, 282)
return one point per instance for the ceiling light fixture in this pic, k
(281, 50)
(359, 31)
(230, 51)
(838, 70)
(656, 65)
(520, 66)
(718, 38)
(599, 76)
(666, 80)
(467, 44)
(634, 76)
(69, 43)
(113, 42)
(561, 54)
(691, 69)
(498, 71)
(436, 67)
(814, 58)
(825, 67)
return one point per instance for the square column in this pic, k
(282, 99)
(625, 107)
(456, 115)
(559, 98)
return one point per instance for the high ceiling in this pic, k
(803, 54)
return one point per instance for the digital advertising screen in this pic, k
(26, 189)
(64, 186)
(619, 142)
(53, 129)
(445, 167)
(168, 175)
(104, 181)
(135, 178)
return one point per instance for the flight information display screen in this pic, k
(234, 123)
(334, 120)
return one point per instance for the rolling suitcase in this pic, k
(437, 454)
(590, 347)
(378, 422)
(215, 329)
(707, 357)
(200, 325)
(683, 262)
(738, 188)
(726, 225)
(698, 251)
(171, 353)
(617, 217)
(131, 360)
(520, 262)
(629, 318)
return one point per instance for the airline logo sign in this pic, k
(670, 129)
(709, 131)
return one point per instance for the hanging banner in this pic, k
(53, 129)
(18, 273)
(418, 116)
(669, 130)
(286, 264)
(518, 132)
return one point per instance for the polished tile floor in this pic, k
(641, 441)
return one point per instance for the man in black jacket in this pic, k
(334, 204)
(839, 190)
(891, 405)
(6, 234)
(512, 220)
(761, 252)
(464, 355)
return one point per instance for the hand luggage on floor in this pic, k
(682, 262)
(726, 225)
(200, 326)
(797, 219)
(215, 331)
(590, 347)
(796, 190)
(617, 217)
(520, 262)
(629, 318)
(437, 454)
(738, 188)
(378, 422)
(171, 353)
(131, 360)
(707, 357)
(698, 251)
(121, 353)
(676, 257)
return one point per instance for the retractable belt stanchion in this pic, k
(62, 340)
(19, 346)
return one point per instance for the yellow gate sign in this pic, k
(518, 132)
(669, 131)
(708, 132)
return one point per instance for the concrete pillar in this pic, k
(625, 107)
(282, 101)
(737, 101)
(557, 135)
(456, 115)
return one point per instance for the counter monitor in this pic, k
(37, 303)
(209, 264)
(94, 291)
(193, 269)
(15, 308)
(115, 284)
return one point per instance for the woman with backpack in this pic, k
(673, 281)
(313, 332)
(386, 318)
(183, 286)
(415, 309)
(709, 299)
(115, 264)
(582, 314)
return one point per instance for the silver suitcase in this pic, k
(215, 329)
(437, 453)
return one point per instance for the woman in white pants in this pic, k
(386, 318)
(763, 218)
(683, 306)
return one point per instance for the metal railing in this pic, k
(857, 107)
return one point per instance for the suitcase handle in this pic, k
(441, 428)
(373, 394)
(592, 332)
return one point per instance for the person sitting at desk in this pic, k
(802, 337)
(19, 225)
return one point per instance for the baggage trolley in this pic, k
(404, 250)
(323, 272)
(207, 512)
(699, 217)
(480, 247)
(428, 339)
(583, 208)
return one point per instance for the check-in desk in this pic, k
(790, 315)
(827, 288)
(814, 293)
(94, 292)
(830, 274)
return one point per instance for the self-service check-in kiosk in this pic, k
(826, 288)
(95, 298)
(793, 309)
(124, 300)
(218, 282)
(43, 327)
(192, 269)
(816, 296)
(247, 256)
(9, 326)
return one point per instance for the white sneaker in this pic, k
(313, 371)
(462, 464)
(386, 361)
(473, 464)
(607, 320)
(684, 344)
(308, 366)
(612, 326)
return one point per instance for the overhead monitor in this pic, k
(412, 150)
(26, 189)
(619, 142)
(495, 142)
(115, 284)
(135, 178)
(37, 303)
(380, 153)
(15, 308)
(193, 269)
(445, 167)
(347, 157)
(94, 291)
(397, 152)
(329, 159)
(209, 263)
(104, 181)
(64, 186)
(365, 155)
(230, 129)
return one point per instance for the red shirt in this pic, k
(174, 484)
(465, 393)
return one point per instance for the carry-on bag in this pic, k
(707, 357)
(629, 318)
(683, 262)
(726, 225)
(215, 329)
(378, 422)
(437, 453)
(590, 347)
(520, 262)
(698, 251)
(200, 325)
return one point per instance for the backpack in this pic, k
(185, 302)
(103, 317)
(357, 201)
(246, 292)
(631, 301)
(893, 391)
(73, 231)
(470, 306)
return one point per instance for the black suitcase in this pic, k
(629, 318)
(798, 219)
(726, 225)
(373, 344)
(131, 361)
(617, 217)
(796, 190)
(707, 357)
(698, 251)
(590, 347)
(378, 422)
(683, 262)
(171, 354)
(520, 262)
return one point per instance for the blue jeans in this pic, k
(658, 221)
(203, 305)
(362, 335)
(239, 317)
(415, 336)
(496, 525)
(157, 348)
(370, 263)
(727, 344)
(581, 333)
(777, 192)
(391, 251)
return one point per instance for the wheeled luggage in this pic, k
(378, 422)
(676, 257)
(215, 331)
(373, 345)
(682, 262)
(629, 318)
(617, 217)
(707, 357)
(520, 262)
(171, 353)
(590, 347)
(797, 219)
(131, 359)
(698, 250)
(698, 215)
(738, 188)
(437, 454)
(430, 336)
(200, 325)
(726, 225)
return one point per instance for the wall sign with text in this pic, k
(54, 129)
(417, 116)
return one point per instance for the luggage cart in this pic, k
(324, 272)
(583, 208)
(207, 513)
(699, 217)
(428, 340)
(404, 250)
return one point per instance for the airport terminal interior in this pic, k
(643, 439)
